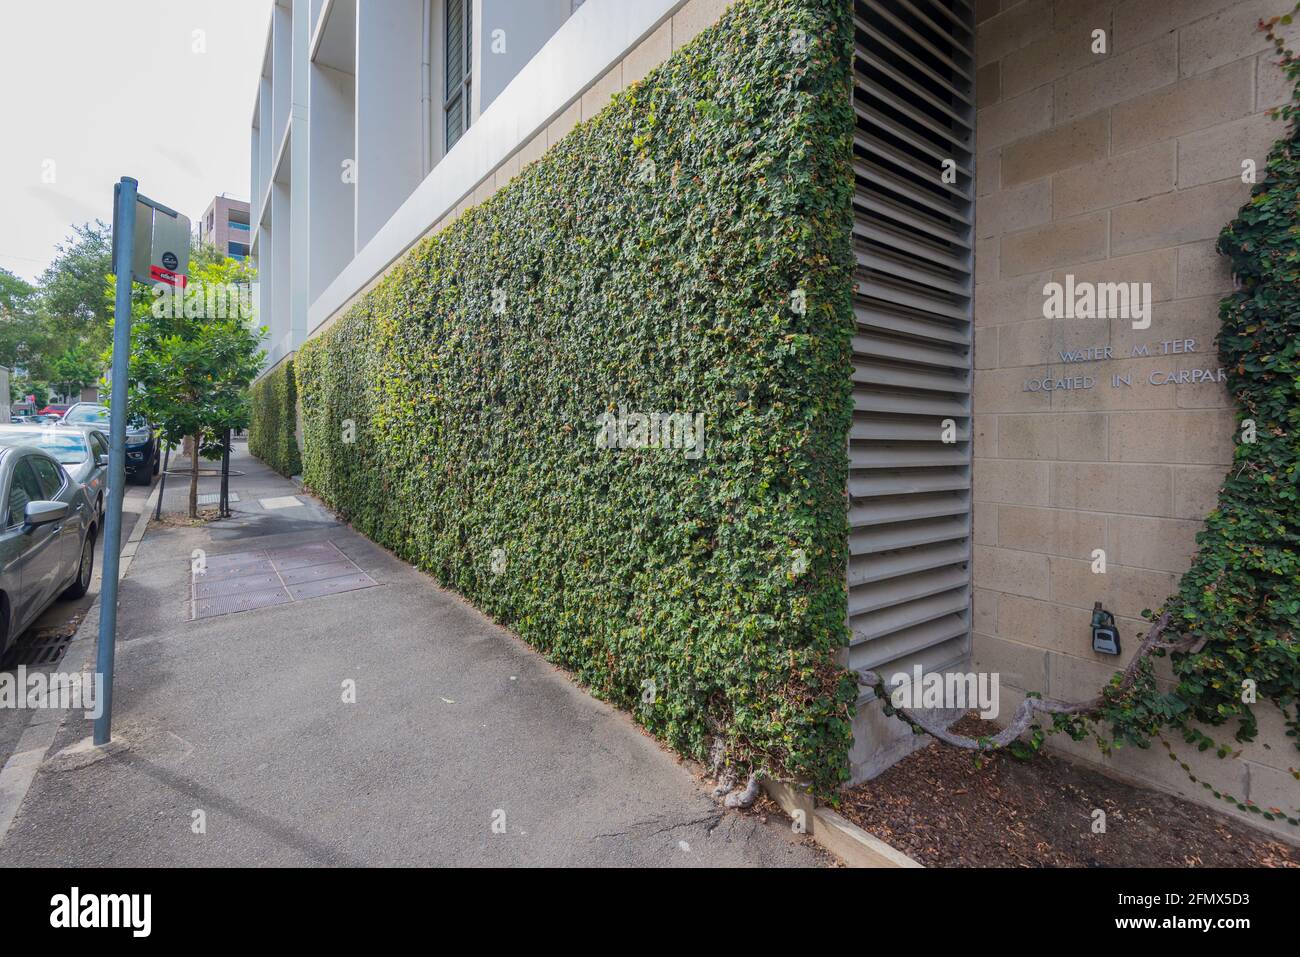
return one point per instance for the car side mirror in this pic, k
(103, 461)
(42, 513)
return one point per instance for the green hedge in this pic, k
(275, 414)
(453, 413)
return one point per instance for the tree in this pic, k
(22, 336)
(193, 359)
(74, 368)
(71, 300)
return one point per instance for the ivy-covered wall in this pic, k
(271, 433)
(684, 252)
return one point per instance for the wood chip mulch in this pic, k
(943, 811)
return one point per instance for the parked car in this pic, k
(47, 538)
(80, 449)
(55, 408)
(142, 458)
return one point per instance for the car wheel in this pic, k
(85, 569)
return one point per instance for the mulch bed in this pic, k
(943, 811)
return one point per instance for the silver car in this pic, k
(81, 450)
(47, 545)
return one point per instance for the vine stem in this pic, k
(1031, 707)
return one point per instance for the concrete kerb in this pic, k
(43, 726)
(834, 832)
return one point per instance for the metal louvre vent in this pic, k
(909, 491)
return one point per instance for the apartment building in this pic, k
(360, 101)
(1087, 141)
(225, 225)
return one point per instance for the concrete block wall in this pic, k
(1115, 166)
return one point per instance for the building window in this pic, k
(237, 250)
(459, 57)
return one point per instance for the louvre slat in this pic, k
(917, 116)
(877, 233)
(909, 490)
(958, 197)
(912, 429)
(958, 22)
(902, 56)
(912, 457)
(872, 117)
(911, 300)
(878, 206)
(901, 25)
(911, 483)
(868, 598)
(906, 508)
(876, 63)
(903, 403)
(899, 269)
(921, 353)
(883, 180)
(947, 35)
(937, 645)
(874, 568)
(914, 326)
(888, 538)
(878, 374)
(888, 621)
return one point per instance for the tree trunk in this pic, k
(194, 477)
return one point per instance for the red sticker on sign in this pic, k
(158, 274)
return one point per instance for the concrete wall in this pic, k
(508, 33)
(1119, 166)
(558, 88)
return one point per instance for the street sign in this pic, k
(151, 243)
(161, 244)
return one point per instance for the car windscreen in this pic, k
(68, 448)
(87, 415)
(98, 416)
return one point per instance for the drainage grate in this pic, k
(246, 581)
(214, 498)
(35, 650)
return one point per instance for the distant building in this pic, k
(225, 225)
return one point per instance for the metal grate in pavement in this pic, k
(36, 650)
(214, 498)
(241, 601)
(245, 581)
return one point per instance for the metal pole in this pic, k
(225, 478)
(124, 232)
(162, 482)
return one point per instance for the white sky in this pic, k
(113, 88)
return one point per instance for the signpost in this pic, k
(151, 243)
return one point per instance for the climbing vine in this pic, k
(1230, 630)
(685, 250)
(271, 434)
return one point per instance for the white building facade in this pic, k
(376, 122)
